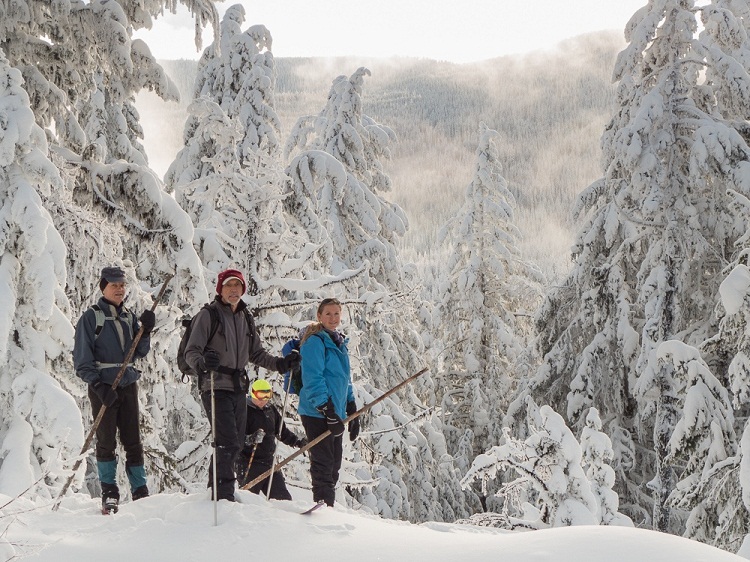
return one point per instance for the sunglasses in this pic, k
(262, 394)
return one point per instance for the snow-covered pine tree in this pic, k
(551, 489)
(362, 225)
(486, 284)
(648, 258)
(337, 178)
(229, 179)
(597, 457)
(241, 78)
(40, 424)
(716, 494)
(703, 436)
(82, 71)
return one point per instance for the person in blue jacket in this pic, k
(326, 398)
(103, 337)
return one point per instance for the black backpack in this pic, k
(187, 323)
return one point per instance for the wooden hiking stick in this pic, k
(99, 417)
(250, 462)
(327, 432)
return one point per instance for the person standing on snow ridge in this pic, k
(103, 337)
(326, 398)
(264, 423)
(224, 356)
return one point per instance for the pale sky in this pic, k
(452, 30)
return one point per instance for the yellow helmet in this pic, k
(261, 385)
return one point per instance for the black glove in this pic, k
(105, 392)
(335, 425)
(353, 429)
(301, 442)
(211, 360)
(289, 362)
(148, 321)
(351, 407)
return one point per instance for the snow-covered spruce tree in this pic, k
(229, 180)
(486, 283)
(336, 180)
(716, 494)
(551, 489)
(228, 176)
(744, 480)
(362, 225)
(702, 438)
(648, 258)
(40, 424)
(597, 458)
(82, 71)
(241, 77)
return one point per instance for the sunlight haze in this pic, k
(438, 29)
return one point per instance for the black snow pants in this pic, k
(231, 415)
(325, 459)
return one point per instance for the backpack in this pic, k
(293, 378)
(102, 317)
(187, 323)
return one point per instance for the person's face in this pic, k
(115, 292)
(231, 292)
(330, 316)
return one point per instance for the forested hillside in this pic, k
(550, 109)
(587, 370)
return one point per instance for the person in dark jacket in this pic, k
(224, 356)
(264, 423)
(326, 398)
(103, 337)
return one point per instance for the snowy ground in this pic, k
(180, 527)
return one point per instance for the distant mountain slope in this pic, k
(550, 109)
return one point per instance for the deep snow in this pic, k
(180, 527)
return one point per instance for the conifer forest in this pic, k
(561, 239)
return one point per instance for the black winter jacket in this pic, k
(269, 420)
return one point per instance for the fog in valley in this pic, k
(550, 109)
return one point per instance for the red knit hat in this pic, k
(228, 274)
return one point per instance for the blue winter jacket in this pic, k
(92, 355)
(325, 374)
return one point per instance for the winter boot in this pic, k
(110, 492)
(110, 498)
(140, 493)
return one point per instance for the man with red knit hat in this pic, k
(222, 352)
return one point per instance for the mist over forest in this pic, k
(550, 109)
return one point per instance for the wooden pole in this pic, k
(327, 432)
